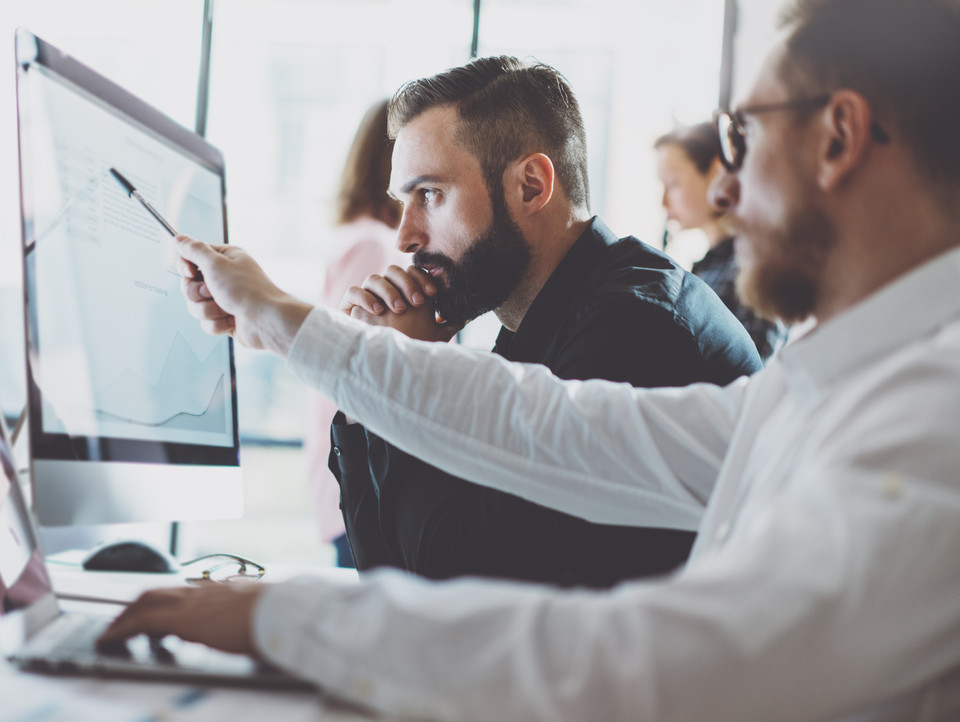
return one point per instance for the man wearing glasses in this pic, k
(825, 580)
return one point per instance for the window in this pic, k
(290, 81)
(637, 69)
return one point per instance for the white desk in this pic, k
(42, 698)
(71, 580)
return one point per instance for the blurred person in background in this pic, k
(364, 242)
(688, 160)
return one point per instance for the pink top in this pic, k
(367, 246)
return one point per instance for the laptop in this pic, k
(36, 635)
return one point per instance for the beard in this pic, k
(784, 281)
(489, 271)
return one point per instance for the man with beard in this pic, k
(825, 581)
(490, 165)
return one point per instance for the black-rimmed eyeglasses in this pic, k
(730, 126)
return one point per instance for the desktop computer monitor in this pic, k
(132, 408)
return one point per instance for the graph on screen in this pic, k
(188, 393)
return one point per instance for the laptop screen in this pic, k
(23, 576)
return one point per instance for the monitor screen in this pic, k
(132, 407)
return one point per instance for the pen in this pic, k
(134, 193)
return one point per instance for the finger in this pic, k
(220, 326)
(207, 311)
(410, 285)
(155, 622)
(383, 289)
(360, 314)
(356, 296)
(425, 280)
(194, 290)
(132, 620)
(189, 270)
(200, 254)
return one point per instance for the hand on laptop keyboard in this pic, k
(218, 615)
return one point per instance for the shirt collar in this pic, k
(558, 295)
(909, 308)
(723, 249)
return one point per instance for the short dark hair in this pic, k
(701, 143)
(507, 109)
(903, 56)
(366, 172)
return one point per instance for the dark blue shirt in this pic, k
(615, 309)
(718, 269)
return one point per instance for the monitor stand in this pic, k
(56, 539)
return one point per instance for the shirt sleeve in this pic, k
(633, 340)
(440, 526)
(359, 259)
(769, 336)
(595, 449)
(835, 590)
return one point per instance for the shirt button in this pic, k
(336, 451)
(723, 531)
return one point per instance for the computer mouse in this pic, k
(129, 556)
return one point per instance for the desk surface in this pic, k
(43, 698)
(72, 582)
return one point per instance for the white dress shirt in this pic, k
(825, 583)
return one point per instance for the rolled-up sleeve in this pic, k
(813, 582)
(589, 448)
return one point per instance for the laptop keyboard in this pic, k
(70, 636)
(74, 636)
(68, 645)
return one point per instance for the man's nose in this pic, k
(409, 235)
(724, 192)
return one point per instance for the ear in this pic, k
(529, 184)
(846, 122)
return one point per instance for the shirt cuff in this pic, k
(288, 622)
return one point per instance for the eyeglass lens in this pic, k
(732, 142)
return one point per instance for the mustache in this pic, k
(427, 258)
